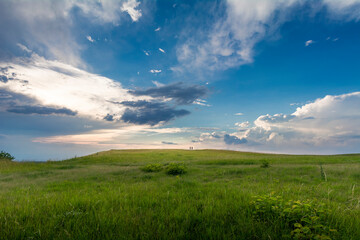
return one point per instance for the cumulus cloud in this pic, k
(209, 136)
(329, 122)
(180, 93)
(327, 125)
(266, 121)
(230, 139)
(243, 124)
(231, 39)
(161, 50)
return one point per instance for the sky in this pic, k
(277, 76)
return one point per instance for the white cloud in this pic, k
(231, 40)
(90, 39)
(328, 124)
(131, 8)
(158, 84)
(24, 48)
(47, 26)
(161, 50)
(206, 137)
(309, 42)
(238, 114)
(155, 71)
(147, 53)
(201, 102)
(52, 83)
(243, 124)
(157, 29)
(266, 121)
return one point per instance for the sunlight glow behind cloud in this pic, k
(52, 83)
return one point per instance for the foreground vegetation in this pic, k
(178, 194)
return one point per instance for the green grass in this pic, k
(108, 196)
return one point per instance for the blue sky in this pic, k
(77, 77)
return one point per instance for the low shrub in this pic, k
(154, 167)
(301, 220)
(265, 164)
(5, 155)
(175, 168)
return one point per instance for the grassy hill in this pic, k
(222, 195)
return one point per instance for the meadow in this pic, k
(142, 194)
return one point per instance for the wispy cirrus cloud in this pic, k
(231, 39)
(48, 27)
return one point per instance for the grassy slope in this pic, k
(107, 196)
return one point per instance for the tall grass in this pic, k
(108, 196)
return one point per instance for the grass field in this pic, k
(108, 195)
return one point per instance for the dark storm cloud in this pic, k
(41, 110)
(178, 92)
(152, 113)
(228, 139)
